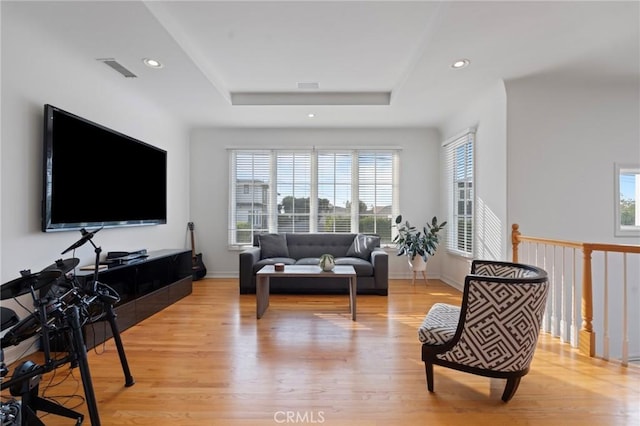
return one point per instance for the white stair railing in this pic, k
(612, 275)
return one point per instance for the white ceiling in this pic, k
(212, 49)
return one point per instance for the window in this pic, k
(334, 191)
(627, 190)
(250, 194)
(459, 156)
(375, 189)
(293, 187)
(311, 191)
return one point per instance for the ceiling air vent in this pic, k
(310, 85)
(118, 67)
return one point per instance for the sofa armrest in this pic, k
(380, 262)
(248, 258)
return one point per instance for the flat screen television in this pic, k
(94, 176)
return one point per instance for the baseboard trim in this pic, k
(25, 348)
(451, 282)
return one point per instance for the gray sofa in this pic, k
(363, 252)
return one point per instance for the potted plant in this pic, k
(415, 244)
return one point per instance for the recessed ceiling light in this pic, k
(311, 115)
(152, 63)
(460, 63)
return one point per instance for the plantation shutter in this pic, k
(250, 192)
(334, 191)
(459, 163)
(309, 190)
(293, 186)
(375, 192)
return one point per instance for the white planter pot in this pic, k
(417, 264)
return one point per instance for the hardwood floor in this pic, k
(206, 360)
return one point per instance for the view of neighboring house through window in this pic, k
(250, 192)
(459, 157)
(627, 178)
(293, 186)
(311, 191)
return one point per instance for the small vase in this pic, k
(327, 263)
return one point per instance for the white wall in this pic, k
(419, 180)
(38, 70)
(564, 137)
(487, 113)
(563, 140)
(545, 154)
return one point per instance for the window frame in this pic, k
(453, 237)
(621, 230)
(271, 210)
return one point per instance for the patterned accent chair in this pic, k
(495, 331)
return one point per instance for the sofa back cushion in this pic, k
(317, 244)
(273, 245)
(363, 245)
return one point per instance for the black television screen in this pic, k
(95, 176)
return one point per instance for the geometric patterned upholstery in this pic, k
(501, 326)
(492, 269)
(495, 331)
(440, 324)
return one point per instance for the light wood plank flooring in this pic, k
(207, 361)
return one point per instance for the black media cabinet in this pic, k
(145, 285)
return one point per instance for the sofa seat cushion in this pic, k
(308, 261)
(272, 261)
(363, 268)
(440, 324)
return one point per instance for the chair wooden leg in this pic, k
(428, 367)
(510, 388)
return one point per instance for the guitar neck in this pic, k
(193, 241)
(193, 245)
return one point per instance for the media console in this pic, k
(145, 285)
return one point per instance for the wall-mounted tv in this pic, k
(94, 176)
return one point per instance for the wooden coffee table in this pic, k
(297, 271)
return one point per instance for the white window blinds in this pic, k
(334, 191)
(375, 190)
(293, 186)
(311, 191)
(459, 159)
(251, 200)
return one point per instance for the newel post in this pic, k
(587, 337)
(515, 241)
